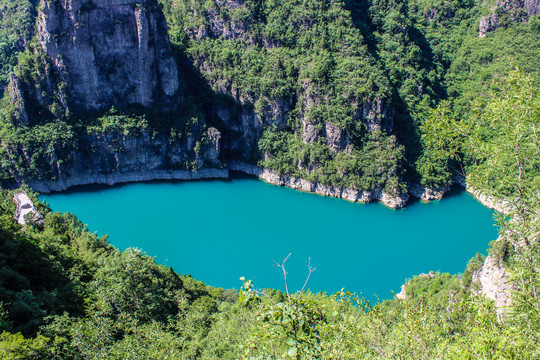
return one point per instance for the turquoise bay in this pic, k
(218, 231)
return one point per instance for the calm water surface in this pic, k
(219, 230)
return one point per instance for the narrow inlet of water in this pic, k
(220, 230)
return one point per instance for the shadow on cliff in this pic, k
(405, 126)
(199, 92)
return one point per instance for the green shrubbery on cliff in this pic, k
(16, 29)
(355, 65)
(328, 58)
(66, 293)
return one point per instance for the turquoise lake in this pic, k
(220, 230)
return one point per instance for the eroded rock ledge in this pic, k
(426, 193)
(393, 201)
(494, 283)
(134, 176)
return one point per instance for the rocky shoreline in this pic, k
(136, 176)
(393, 201)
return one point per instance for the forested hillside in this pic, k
(332, 81)
(368, 95)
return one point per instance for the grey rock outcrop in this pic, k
(394, 201)
(376, 116)
(17, 99)
(109, 52)
(108, 158)
(494, 284)
(426, 193)
(504, 10)
(310, 131)
(336, 139)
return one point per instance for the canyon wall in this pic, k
(109, 52)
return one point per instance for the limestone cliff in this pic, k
(109, 52)
(90, 56)
(493, 282)
(115, 157)
(506, 11)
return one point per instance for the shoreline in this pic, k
(49, 186)
(393, 201)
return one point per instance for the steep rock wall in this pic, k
(109, 52)
(108, 158)
(493, 281)
(504, 10)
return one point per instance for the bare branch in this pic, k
(310, 269)
(282, 266)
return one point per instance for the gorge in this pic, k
(108, 106)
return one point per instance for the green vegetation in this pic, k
(374, 166)
(346, 67)
(73, 296)
(327, 59)
(16, 29)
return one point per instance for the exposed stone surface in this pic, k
(17, 99)
(376, 116)
(221, 26)
(212, 151)
(335, 138)
(109, 52)
(426, 193)
(115, 157)
(491, 202)
(310, 132)
(277, 112)
(515, 10)
(493, 280)
(393, 201)
(133, 176)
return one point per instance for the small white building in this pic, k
(24, 206)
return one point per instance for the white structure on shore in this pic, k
(24, 206)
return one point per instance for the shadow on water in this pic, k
(91, 188)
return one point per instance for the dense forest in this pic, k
(363, 94)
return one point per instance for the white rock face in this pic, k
(425, 193)
(134, 176)
(394, 201)
(494, 284)
(491, 202)
(115, 157)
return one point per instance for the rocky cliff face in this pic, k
(109, 52)
(229, 20)
(92, 55)
(493, 281)
(108, 158)
(508, 10)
